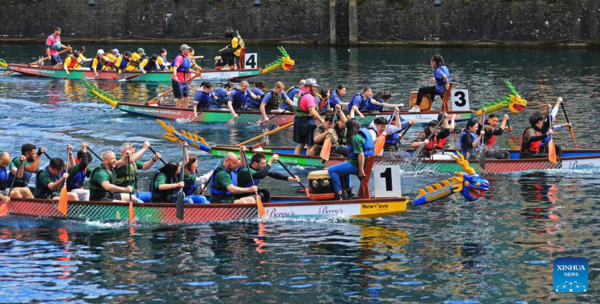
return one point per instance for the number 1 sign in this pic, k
(387, 181)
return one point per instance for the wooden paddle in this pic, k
(292, 175)
(551, 146)
(326, 149)
(131, 211)
(64, 194)
(510, 131)
(37, 61)
(380, 141)
(180, 196)
(170, 90)
(482, 145)
(562, 105)
(266, 134)
(259, 203)
(4, 207)
(160, 158)
(419, 150)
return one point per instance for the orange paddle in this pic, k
(326, 149)
(380, 141)
(551, 146)
(64, 195)
(259, 203)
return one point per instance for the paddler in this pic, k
(113, 55)
(441, 77)
(181, 66)
(5, 171)
(436, 144)
(125, 177)
(336, 96)
(234, 49)
(273, 99)
(101, 62)
(334, 131)
(238, 97)
(149, 64)
(50, 180)
(533, 136)
(359, 101)
(305, 114)
(291, 92)
(259, 91)
(165, 183)
(360, 145)
(259, 169)
(53, 45)
(162, 61)
(102, 182)
(490, 136)
(471, 138)
(224, 182)
(381, 100)
(193, 181)
(78, 173)
(72, 62)
(322, 99)
(137, 57)
(223, 94)
(391, 132)
(123, 62)
(31, 164)
(205, 98)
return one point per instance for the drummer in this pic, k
(259, 168)
(329, 129)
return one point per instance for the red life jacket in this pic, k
(73, 63)
(441, 143)
(533, 146)
(433, 142)
(491, 141)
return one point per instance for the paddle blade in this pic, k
(180, 206)
(573, 136)
(261, 208)
(326, 150)
(379, 144)
(482, 161)
(4, 209)
(62, 201)
(131, 212)
(552, 152)
(307, 193)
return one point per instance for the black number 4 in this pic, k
(387, 174)
(251, 62)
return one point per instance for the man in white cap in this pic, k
(181, 65)
(305, 114)
(101, 62)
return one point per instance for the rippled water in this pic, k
(497, 250)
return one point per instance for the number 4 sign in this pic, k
(460, 100)
(387, 181)
(251, 61)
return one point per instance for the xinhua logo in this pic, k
(570, 275)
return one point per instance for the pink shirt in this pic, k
(50, 41)
(307, 100)
(177, 63)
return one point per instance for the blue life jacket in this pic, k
(359, 102)
(368, 147)
(190, 189)
(204, 99)
(76, 181)
(464, 149)
(391, 140)
(238, 98)
(43, 190)
(185, 65)
(4, 177)
(290, 93)
(440, 85)
(150, 64)
(161, 196)
(254, 103)
(373, 107)
(221, 94)
(250, 184)
(334, 99)
(19, 182)
(162, 66)
(123, 63)
(232, 173)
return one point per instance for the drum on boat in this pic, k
(425, 102)
(320, 185)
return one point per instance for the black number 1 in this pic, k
(387, 174)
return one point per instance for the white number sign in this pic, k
(387, 181)
(460, 100)
(251, 61)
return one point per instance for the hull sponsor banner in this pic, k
(581, 163)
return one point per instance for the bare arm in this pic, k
(112, 188)
(54, 185)
(171, 186)
(236, 190)
(361, 164)
(263, 111)
(230, 107)
(315, 114)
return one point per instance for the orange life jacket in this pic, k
(533, 146)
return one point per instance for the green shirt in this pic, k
(15, 163)
(358, 142)
(222, 180)
(189, 179)
(244, 178)
(100, 175)
(43, 179)
(160, 179)
(121, 174)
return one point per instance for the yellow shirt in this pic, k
(160, 61)
(135, 57)
(68, 63)
(143, 63)
(95, 63)
(111, 56)
(234, 44)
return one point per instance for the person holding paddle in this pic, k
(31, 163)
(359, 101)
(533, 136)
(53, 45)
(435, 145)
(336, 96)
(5, 186)
(381, 126)
(50, 180)
(490, 136)
(101, 62)
(102, 182)
(259, 169)
(205, 98)
(334, 130)
(360, 145)
(305, 114)
(224, 182)
(471, 138)
(259, 91)
(128, 176)
(123, 62)
(273, 99)
(72, 62)
(238, 97)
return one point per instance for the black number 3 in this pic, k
(461, 100)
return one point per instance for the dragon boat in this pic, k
(469, 184)
(513, 101)
(283, 62)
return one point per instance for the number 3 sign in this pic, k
(387, 181)
(460, 100)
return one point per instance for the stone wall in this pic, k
(395, 20)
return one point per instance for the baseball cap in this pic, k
(185, 47)
(100, 52)
(116, 52)
(141, 51)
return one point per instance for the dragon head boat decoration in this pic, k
(468, 183)
(192, 139)
(513, 101)
(284, 62)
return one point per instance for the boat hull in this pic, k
(165, 213)
(572, 159)
(254, 117)
(159, 76)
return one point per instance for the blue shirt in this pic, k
(268, 96)
(438, 74)
(358, 101)
(293, 92)
(254, 102)
(205, 99)
(334, 99)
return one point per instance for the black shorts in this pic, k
(180, 90)
(304, 130)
